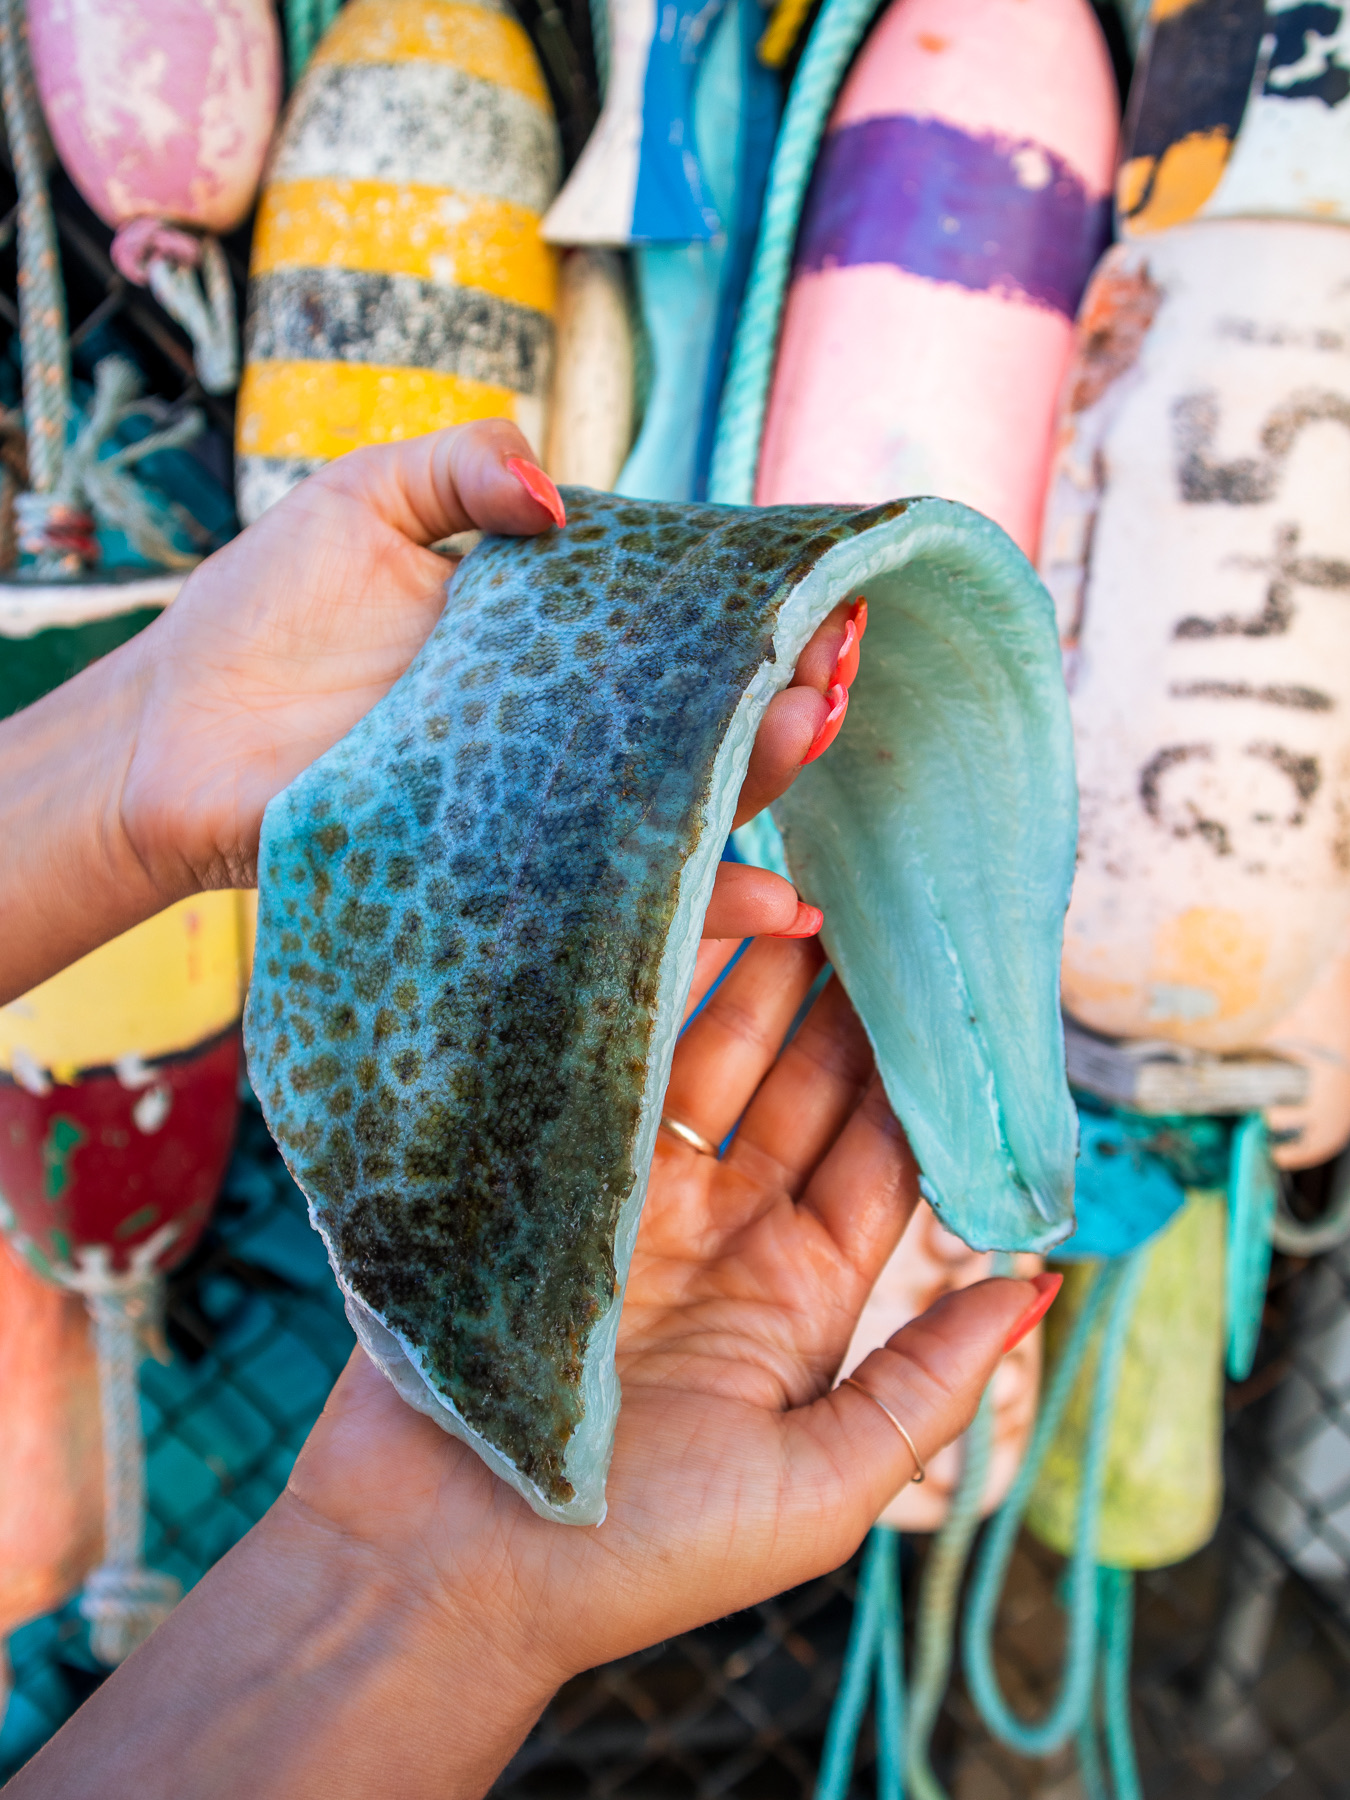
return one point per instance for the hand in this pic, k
(281, 641)
(737, 1471)
(400, 1617)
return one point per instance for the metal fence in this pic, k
(1241, 1684)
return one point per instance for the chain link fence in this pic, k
(1241, 1674)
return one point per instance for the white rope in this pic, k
(123, 1600)
(168, 259)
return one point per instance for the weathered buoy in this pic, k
(590, 419)
(1238, 111)
(1162, 1478)
(927, 1263)
(118, 1099)
(162, 113)
(957, 208)
(1317, 1035)
(638, 180)
(399, 282)
(1197, 543)
(51, 1497)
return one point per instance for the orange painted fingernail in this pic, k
(860, 615)
(538, 486)
(807, 923)
(1046, 1286)
(829, 731)
(846, 663)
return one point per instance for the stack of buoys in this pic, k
(959, 200)
(674, 173)
(162, 114)
(399, 280)
(118, 1078)
(1197, 545)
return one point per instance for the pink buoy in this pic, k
(957, 208)
(162, 112)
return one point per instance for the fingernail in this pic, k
(846, 663)
(829, 731)
(860, 615)
(1046, 1286)
(807, 923)
(538, 486)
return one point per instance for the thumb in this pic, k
(459, 479)
(930, 1376)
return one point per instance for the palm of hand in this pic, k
(747, 1281)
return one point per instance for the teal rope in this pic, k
(891, 1681)
(1117, 1594)
(834, 38)
(938, 1601)
(1113, 1293)
(878, 1594)
(306, 22)
(1253, 1195)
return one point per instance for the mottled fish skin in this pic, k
(478, 919)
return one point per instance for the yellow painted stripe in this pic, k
(161, 987)
(1155, 196)
(484, 44)
(407, 228)
(324, 409)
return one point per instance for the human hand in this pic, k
(282, 640)
(736, 1472)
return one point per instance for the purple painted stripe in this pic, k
(988, 213)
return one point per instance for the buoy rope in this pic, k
(1113, 1295)
(123, 1600)
(1295, 1238)
(306, 22)
(874, 1648)
(1253, 1195)
(42, 301)
(835, 36)
(936, 1629)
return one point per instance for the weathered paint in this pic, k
(399, 280)
(1197, 543)
(117, 1157)
(1317, 1034)
(1163, 1477)
(639, 180)
(590, 424)
(155, 991)
(159, 109)
(51, 1487)
(1239, 109)
(958, 205)
(929, 1262)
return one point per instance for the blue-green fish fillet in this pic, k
(480, 911)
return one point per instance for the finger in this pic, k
(458, 479)
(930, 1375)
(810, 1093)
(749, 902)
(866, 1188)
(713, 956)
(724, 1053)
(795, 720)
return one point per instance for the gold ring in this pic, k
(687, 1135)
(848, 1381)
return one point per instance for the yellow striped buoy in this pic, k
(399, 281)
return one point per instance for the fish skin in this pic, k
(479, 915)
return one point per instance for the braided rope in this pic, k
(740, 422)
(123, 1600)
(874, 1631)
(42, 301)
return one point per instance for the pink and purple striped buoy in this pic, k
(958, 205)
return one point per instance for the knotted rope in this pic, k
(166, 259)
